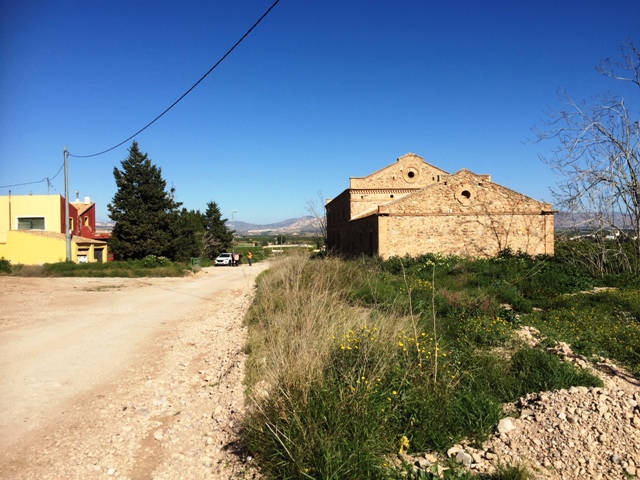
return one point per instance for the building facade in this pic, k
(32, 230)
(411, 207)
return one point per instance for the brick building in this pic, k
(411, 207)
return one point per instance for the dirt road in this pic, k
(126, 378)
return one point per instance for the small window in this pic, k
(86, 221)
(31, 223)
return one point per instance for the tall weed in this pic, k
(351, 362)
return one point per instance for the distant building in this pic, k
(411, 207)
(32, 230)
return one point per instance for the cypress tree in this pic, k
(217, 237)
(141, 208)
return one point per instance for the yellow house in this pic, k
(32, 231)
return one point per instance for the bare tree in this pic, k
(315, 209)
(597, 156)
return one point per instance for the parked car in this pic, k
(224, 259)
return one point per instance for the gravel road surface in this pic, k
(124, 378)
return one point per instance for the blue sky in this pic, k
(320, 91)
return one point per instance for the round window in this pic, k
(464, 194)
(411, 175)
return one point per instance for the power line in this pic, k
(187, 92)
(45, 179)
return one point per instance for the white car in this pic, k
(224, 259)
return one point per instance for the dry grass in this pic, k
(300, 314)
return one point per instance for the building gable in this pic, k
(409, 171)
(465, 193)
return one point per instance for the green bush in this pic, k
(5, 265)
(148, 267)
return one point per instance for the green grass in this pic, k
(354, 361)
(605, 324)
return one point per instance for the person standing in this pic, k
(249, 257)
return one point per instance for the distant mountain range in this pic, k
(586, 221)
(292, 226)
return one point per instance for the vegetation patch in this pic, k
(150, 266)
(353, 362)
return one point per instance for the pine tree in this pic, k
(217, 237)
(141, 208)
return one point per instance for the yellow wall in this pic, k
(30, 249)
(37, 247)
(47, 206)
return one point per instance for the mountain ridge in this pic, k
(300, 225)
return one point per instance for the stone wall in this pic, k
(411, 208)
(467, 235)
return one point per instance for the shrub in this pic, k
(5, 265)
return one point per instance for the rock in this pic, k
(506, 425)
(454, 450)
(464, 458)
(431, 458)
(217, 411)
(526, 413)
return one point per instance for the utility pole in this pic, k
(66, 205)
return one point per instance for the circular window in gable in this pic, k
(411, 175)
(464, 194)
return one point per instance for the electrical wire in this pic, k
(186, 93)
(48, 179)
